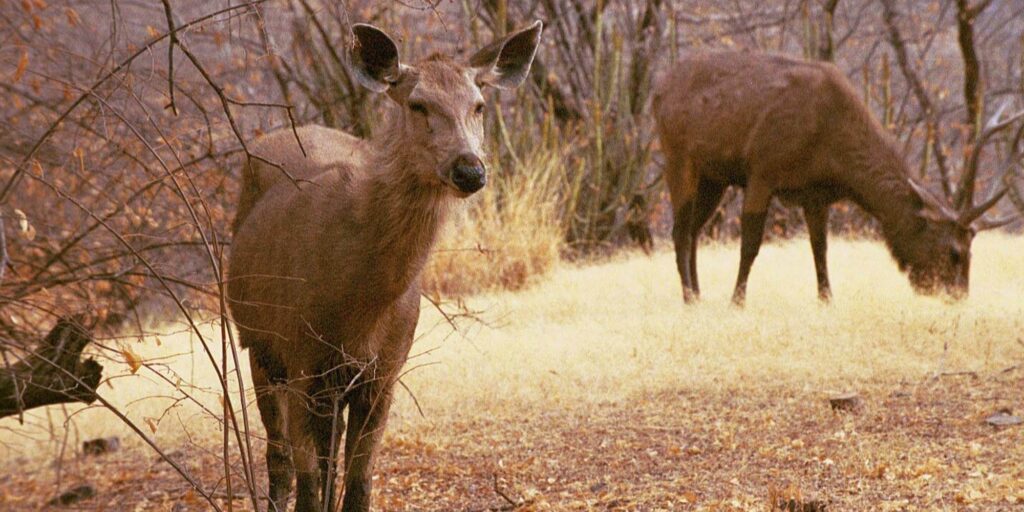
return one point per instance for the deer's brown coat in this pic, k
(784, 127)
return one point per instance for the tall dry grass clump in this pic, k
(512, 233)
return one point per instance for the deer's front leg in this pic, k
(368, 413)
(755, 211)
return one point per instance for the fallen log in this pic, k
(53, 373)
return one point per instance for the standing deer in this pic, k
(328, 248)
(794, 129)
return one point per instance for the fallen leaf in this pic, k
(22, 219)
(25, 229)
(133, 359)
(73, 19)
(22, 66)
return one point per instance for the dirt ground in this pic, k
(906, 446)
(597, 390)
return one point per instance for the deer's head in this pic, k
(441, 101)
(942, 256)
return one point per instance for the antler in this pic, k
(931, 200)
(983, 224)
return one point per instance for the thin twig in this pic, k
(499, 492)
(4, 258)
(170, 56)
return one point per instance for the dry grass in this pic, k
(596, 389)
(507, 237)
(612, 330)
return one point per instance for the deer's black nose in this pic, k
(468, 173)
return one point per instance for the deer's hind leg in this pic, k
(267, 374)
(709, 194)
(816, 215)
(682, 184)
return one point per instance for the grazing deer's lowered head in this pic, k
(937, 258)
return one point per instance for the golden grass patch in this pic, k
(606, 331)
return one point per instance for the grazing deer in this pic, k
(794, 129)
(328, 249)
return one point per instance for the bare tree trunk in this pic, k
(826, 50)
(51, 374)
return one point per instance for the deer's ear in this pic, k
(505, 63)
(373, 59)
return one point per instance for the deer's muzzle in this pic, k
(468, 173)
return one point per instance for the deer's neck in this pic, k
(876, 174)
(404, 216)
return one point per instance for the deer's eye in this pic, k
(479, 109)
(956, 256)
(418, 108)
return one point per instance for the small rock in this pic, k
(795, 505)
(101, 445)
(82, 492)
(1003, 418)
(844, 402)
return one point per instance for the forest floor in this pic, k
(596, 389)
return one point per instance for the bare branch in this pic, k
(23, 164)
(917, 87)
(4, 258)
(170, 56)
(973, 99)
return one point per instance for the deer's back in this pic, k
(738, 115)
(296, 241)
(322, 149)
